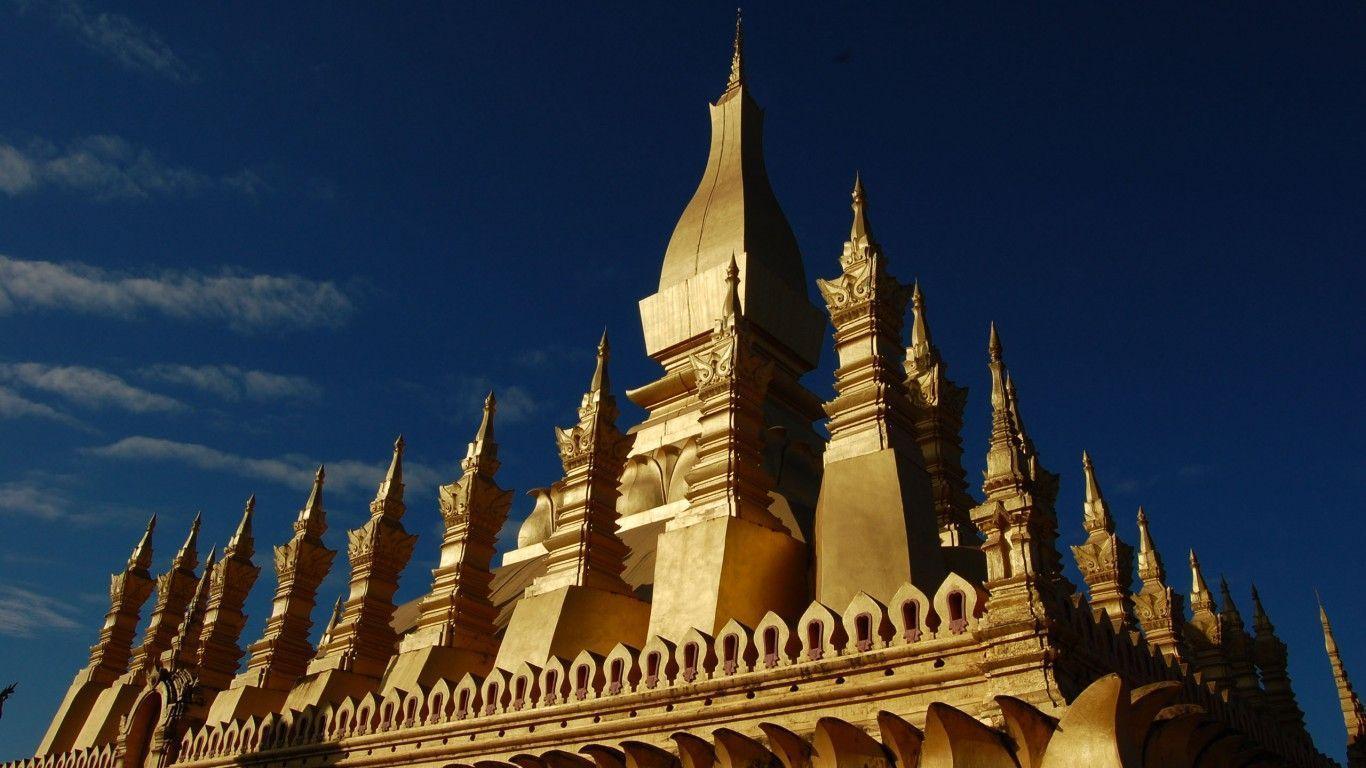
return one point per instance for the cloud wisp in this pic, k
(109, 168)
(114, 36)
(89, 388)
(25, 613)
(15, 406)
(232, 383)
(244, 302)
(344, 477)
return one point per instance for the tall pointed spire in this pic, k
(1105, 561)
(585, 555)
(873, 442)
(937, 407)
(364, 640)
(230, 581)
(1157, 605)
(280, 657)
(1353, 713)
(1272, 659)
(733, 211)
(584, 548)
(1205, 632)
(127, 593)
(455, 623)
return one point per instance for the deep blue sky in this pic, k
(239, 240)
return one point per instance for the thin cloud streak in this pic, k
(109, 168)
(15, 406)
(232, 383)
(115, 37)
(88, 387)
(25, 613)
(346, 476)
(244, 302)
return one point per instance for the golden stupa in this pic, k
(719, 585)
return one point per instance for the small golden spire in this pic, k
(921, 343)
(1149, 561)
(1097, 512)
(391, 488)
(737, 55)
(482, 450)
(601, 381)
(141, 559)
(188, 556)
(994, 345)
(312, 518)
(242, 543)
(860, 233)
(731, 309)
(1198, 585)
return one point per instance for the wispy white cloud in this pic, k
(15, 406)
(25, 613)
(346, 476)
(114, 36)
(87, 387)
(232, 383)
(109, 168)
(245, 302)
(32, 500)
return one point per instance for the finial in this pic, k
(482, 447)
(242, 542)
(391, 488)
(311, 517)
(188, 555)
(142, 553)
(731, 308)
(737, 55)
(601, 382)
(859, 232)
(1089, 469)
(1198, 584)
(994, 345)
(1226, 597)
(1149, 561)
(486, 423)
(921, 344)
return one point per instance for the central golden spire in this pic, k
(733, 211)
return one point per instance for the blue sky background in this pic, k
(239, 240)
